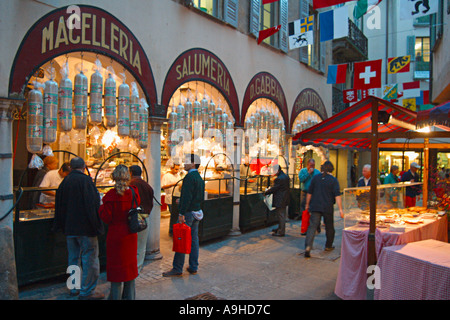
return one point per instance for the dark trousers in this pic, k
(173, 218)
(281, 215)
(314, 222)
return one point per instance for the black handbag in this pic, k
(136, 222)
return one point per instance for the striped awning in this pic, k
(352, 127)
(439, 115)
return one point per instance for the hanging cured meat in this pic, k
(123, 114)
(197, 119)
(134, 111)
(50, 111)
(35, 120)
(110, 101)
(172, 126)
(143, 124)
(95, 95)
(80, 101)
(65, 100)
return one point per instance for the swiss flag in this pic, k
(367, 75)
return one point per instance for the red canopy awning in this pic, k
(351, 128)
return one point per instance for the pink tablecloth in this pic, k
(415, 271)
(352, 276)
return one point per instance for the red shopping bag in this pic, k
(305, 221)
(181, 238)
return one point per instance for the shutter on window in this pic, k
(304, 12)
(410, 47)
(284, 25)
(231, 12)
(255, 9)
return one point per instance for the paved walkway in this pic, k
(252, 266)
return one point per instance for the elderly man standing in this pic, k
(76, 215)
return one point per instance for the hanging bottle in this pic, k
(95, 94)
(134, 111)
(143, 124)
(172, 126)
(80, 101)
(123, 114)
(35, 119)
(65, 100)
(205, 114)
(110, 100)
(50, 111)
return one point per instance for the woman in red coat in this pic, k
(121, 245)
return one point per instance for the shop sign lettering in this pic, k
(94, 31)
(200, 64)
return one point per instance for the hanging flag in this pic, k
(364, 6)
(412, 9)
(301, 32)
(333, 24)
(263, 34)
(399, 64)
(337, 73)
(390, 92)
(268, 1)
(411, 89)
(367, 74)
(409, 103)
(350, 95)
(327, 3)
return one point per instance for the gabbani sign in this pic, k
(265, 85)
(203, 65)
(80, 28)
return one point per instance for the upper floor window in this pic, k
(225, 10)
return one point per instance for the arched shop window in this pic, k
(95, 108)
(206, 122)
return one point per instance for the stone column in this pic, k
(235, 231)
(153, 165)
(8, 280)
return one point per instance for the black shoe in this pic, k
(303, 234)
(277, 234)
(172, 273)
(329, 249)
(307, 252)
(191, 271)
(274, 230)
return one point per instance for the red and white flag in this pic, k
(327, 3)
(267, 33)
(367, 75)
(411, 89)
(350, 95)
(268, 1)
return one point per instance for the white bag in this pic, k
(268, 201)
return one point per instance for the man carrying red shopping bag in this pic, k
(190, 214)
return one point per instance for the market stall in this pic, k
(82, 98)
(364, 126)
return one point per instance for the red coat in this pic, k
(121, 245)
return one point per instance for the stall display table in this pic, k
(352, 276)
(415, 271)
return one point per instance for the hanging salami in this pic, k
(80, 101)
(95, 95)
(110, 100)
(65, 100)
(35, 119)
(123, 112)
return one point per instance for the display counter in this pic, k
(253, 212)
(394, 226)
(40, 252)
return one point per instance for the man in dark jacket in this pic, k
(411, 192)
(146, 194)
(76, 215)
(280, 201)
(190, 212)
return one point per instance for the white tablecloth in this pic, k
(352, 276)
(415, 271)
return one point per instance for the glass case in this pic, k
(390, 206)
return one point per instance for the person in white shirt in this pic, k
(168, 181)
(52, 179)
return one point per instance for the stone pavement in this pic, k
(251, 266)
